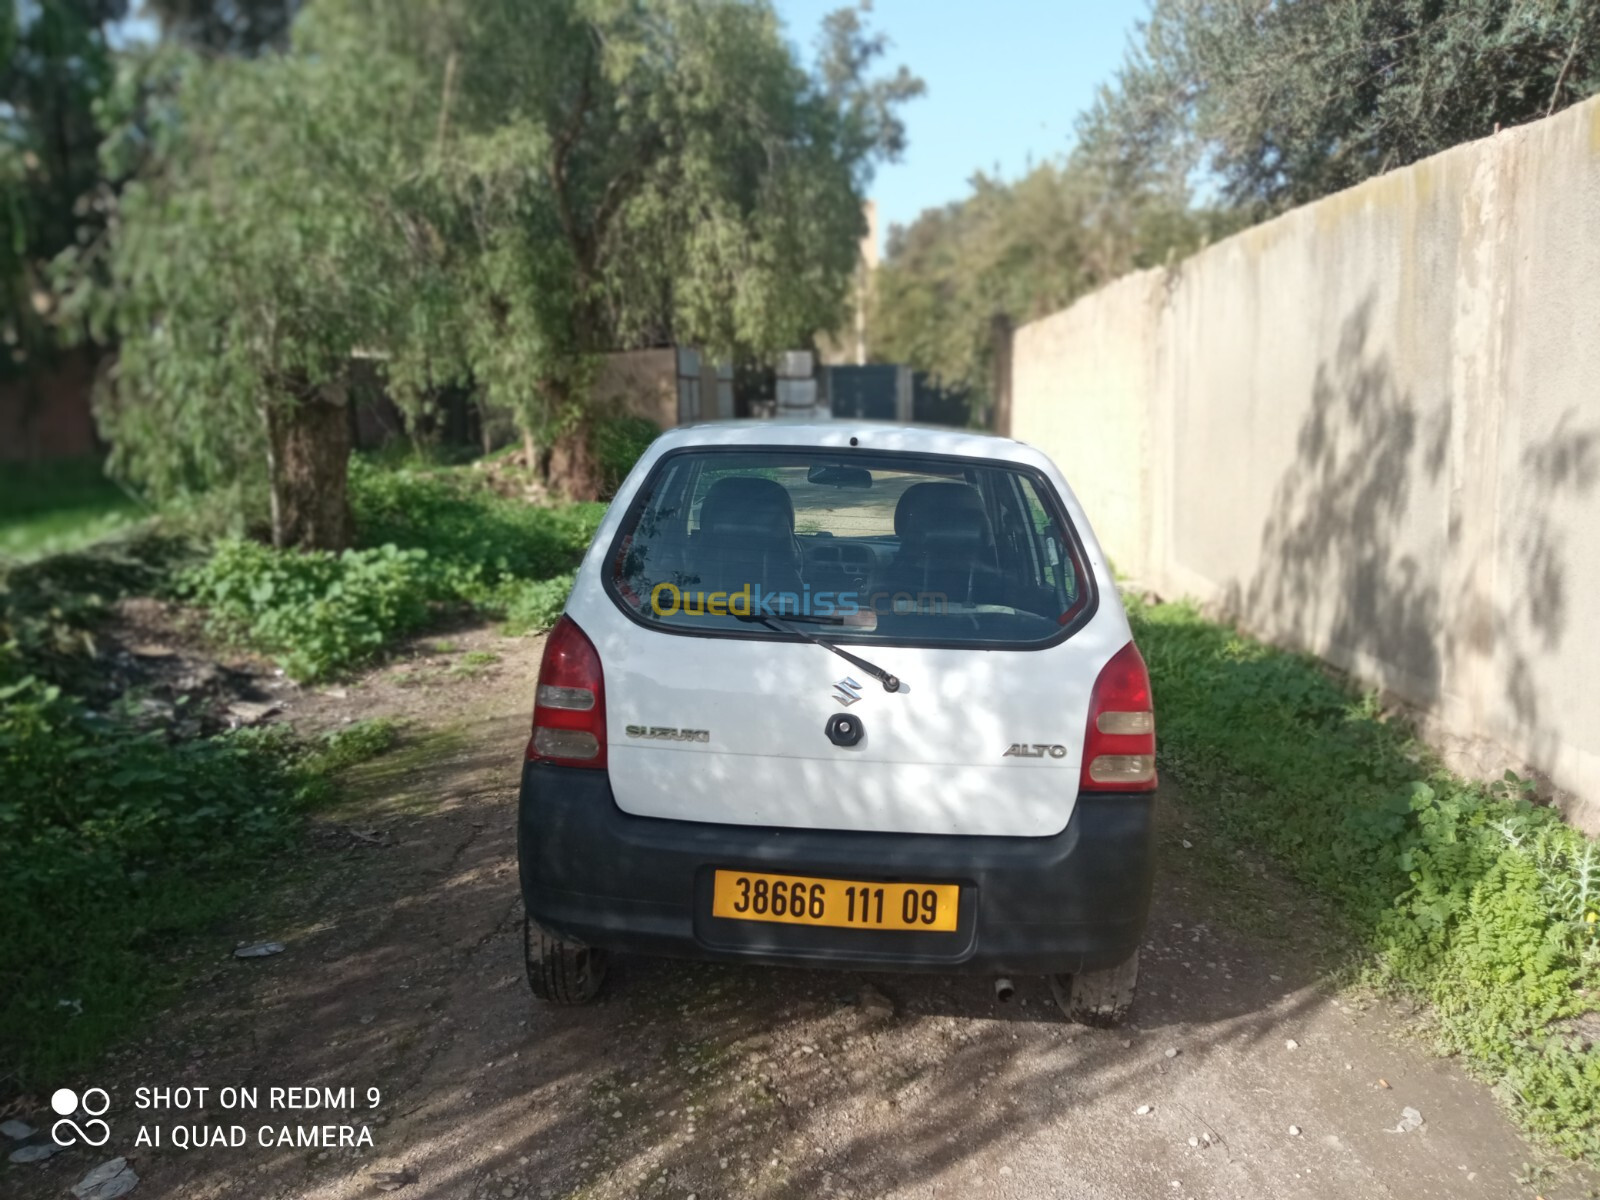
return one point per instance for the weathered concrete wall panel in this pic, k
(643, 383)
(1371, 428)
(1087, 376)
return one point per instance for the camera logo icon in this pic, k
(66, 1102)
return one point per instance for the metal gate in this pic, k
(873, 393)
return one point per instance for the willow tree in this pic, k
(488, 193)
(618, 172)
(261, 246)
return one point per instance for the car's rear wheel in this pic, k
(1100, 998)
(561, 972)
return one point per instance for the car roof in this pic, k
(866, 435)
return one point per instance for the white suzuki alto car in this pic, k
(842, 694)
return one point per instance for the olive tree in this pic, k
(1021, 249)
(1283, 101)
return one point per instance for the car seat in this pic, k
(946, 545)
(746, 536)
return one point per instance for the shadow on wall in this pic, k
(1537, 607)
(1329, 543)
(1340, 573)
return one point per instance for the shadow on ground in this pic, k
(403, 973)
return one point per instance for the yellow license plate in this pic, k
(843, 903)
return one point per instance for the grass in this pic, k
(1468, 896)
(403, 780)
(51, 507)
(122, 848)
(430, 539)
(473, 663)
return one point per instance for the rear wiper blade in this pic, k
(891, 683)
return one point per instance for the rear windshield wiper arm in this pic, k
(891, 683)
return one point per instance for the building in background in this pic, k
(852, 344)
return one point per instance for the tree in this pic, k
(619, 173)
(1284, 101)
(1021, 249)
(57, 64)
(484, 192)
(240, 27)
(263, 243)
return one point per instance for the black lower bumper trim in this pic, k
(1074, 901)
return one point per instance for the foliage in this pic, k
(1469, 895)
(474, 537)
(259, 247)
(46, 508)
(318, 611)
(1268, 105)
(226, 26)
(1289, 101)
(50, 608)
(431, 538)
(115, 842)
(616, 443)
(471, 194)
(1021, 249)
(55, 63)
(322, 759)
(691, 183)
(530, 606)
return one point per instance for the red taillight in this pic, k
(1119, 750)
(569, 711)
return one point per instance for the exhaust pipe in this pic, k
(1004, 989)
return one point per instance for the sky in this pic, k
(1006, 79)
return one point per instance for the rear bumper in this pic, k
(598, 876)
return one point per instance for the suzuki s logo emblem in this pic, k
(847, 691)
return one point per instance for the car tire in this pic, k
(1098, 998)
(561, 972)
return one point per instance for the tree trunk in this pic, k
(310, 461)
(574, 471)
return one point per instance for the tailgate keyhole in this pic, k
(843, 729)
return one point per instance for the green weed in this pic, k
(51, 608)
(319, 613)
(616, 443)
(431, 539)
(473, 663)
(116, 846)
(474, 538)
(344, 748)
(532, 605)
(1468, 895)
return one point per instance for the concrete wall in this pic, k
(641, 382)
(1371, 428)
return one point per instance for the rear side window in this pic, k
(859, 547)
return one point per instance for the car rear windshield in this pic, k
(900, 548)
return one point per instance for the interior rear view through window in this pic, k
(889, 547)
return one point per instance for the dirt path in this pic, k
(402, 972)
